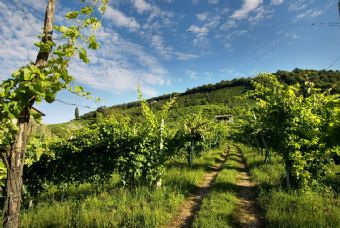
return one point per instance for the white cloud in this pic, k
(277, 2)
(18, 33)
(247, 7)
(119, 66)
(191, 74)
(39, 5)
(299, 5)
(228, 38)
(154, 11)
(310, 13)
(141, 6)
(260, 14)
(157, 43)
(202, 16)
(228, 25)
(201, 32)
(168, 52)
(196, 29)
(185, 56)
(291, 35)
(120, 19)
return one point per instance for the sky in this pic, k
(168, 46)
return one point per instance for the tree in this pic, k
(76, 113)
(141, 160)
(296, 118)
(37, 82)
(195, 134)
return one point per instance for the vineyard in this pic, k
(249, 152)
(141, 170)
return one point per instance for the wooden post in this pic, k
(15, 155)
(267, 149)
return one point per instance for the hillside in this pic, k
(211, 99)
(224, 92)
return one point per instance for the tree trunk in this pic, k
(267, 158)
(258, 145)
(287, 179)
(288, 167)
(189, 158)
(190, 154)
(15, 158)
(15, 155)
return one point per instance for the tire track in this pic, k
(191, 206)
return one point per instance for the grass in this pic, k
(88, 205)
(217, 209)
(116, 208)
(333, 179)
(290, 208)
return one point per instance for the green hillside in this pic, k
(210, 99)
(225, 92)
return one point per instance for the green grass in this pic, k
(51, 130)
(115, 208)
(217, 209)
(333, 179)
(290, 208)
(89, 205)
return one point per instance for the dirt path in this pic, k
(192, 205)
(248, 212)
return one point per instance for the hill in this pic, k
(211, 99)
(224, 92)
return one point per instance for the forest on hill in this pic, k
(224, 91)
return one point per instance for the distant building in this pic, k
(225, 118)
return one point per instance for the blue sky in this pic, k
(172, 45)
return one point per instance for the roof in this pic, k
(37, 111)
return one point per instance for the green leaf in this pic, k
(27, 74)
(83, 55)
(94, 22)
(86, 10)
(72, 15)
(96, 25)
(63, 29)
(93, 44)
(38, 44)
(50, 97)
(16, 73)
(78, 89)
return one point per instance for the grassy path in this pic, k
(191, 206)
(247, 209)
(231, 201)
(290, 209)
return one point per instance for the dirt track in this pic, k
(247, 213)
(192, 205)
